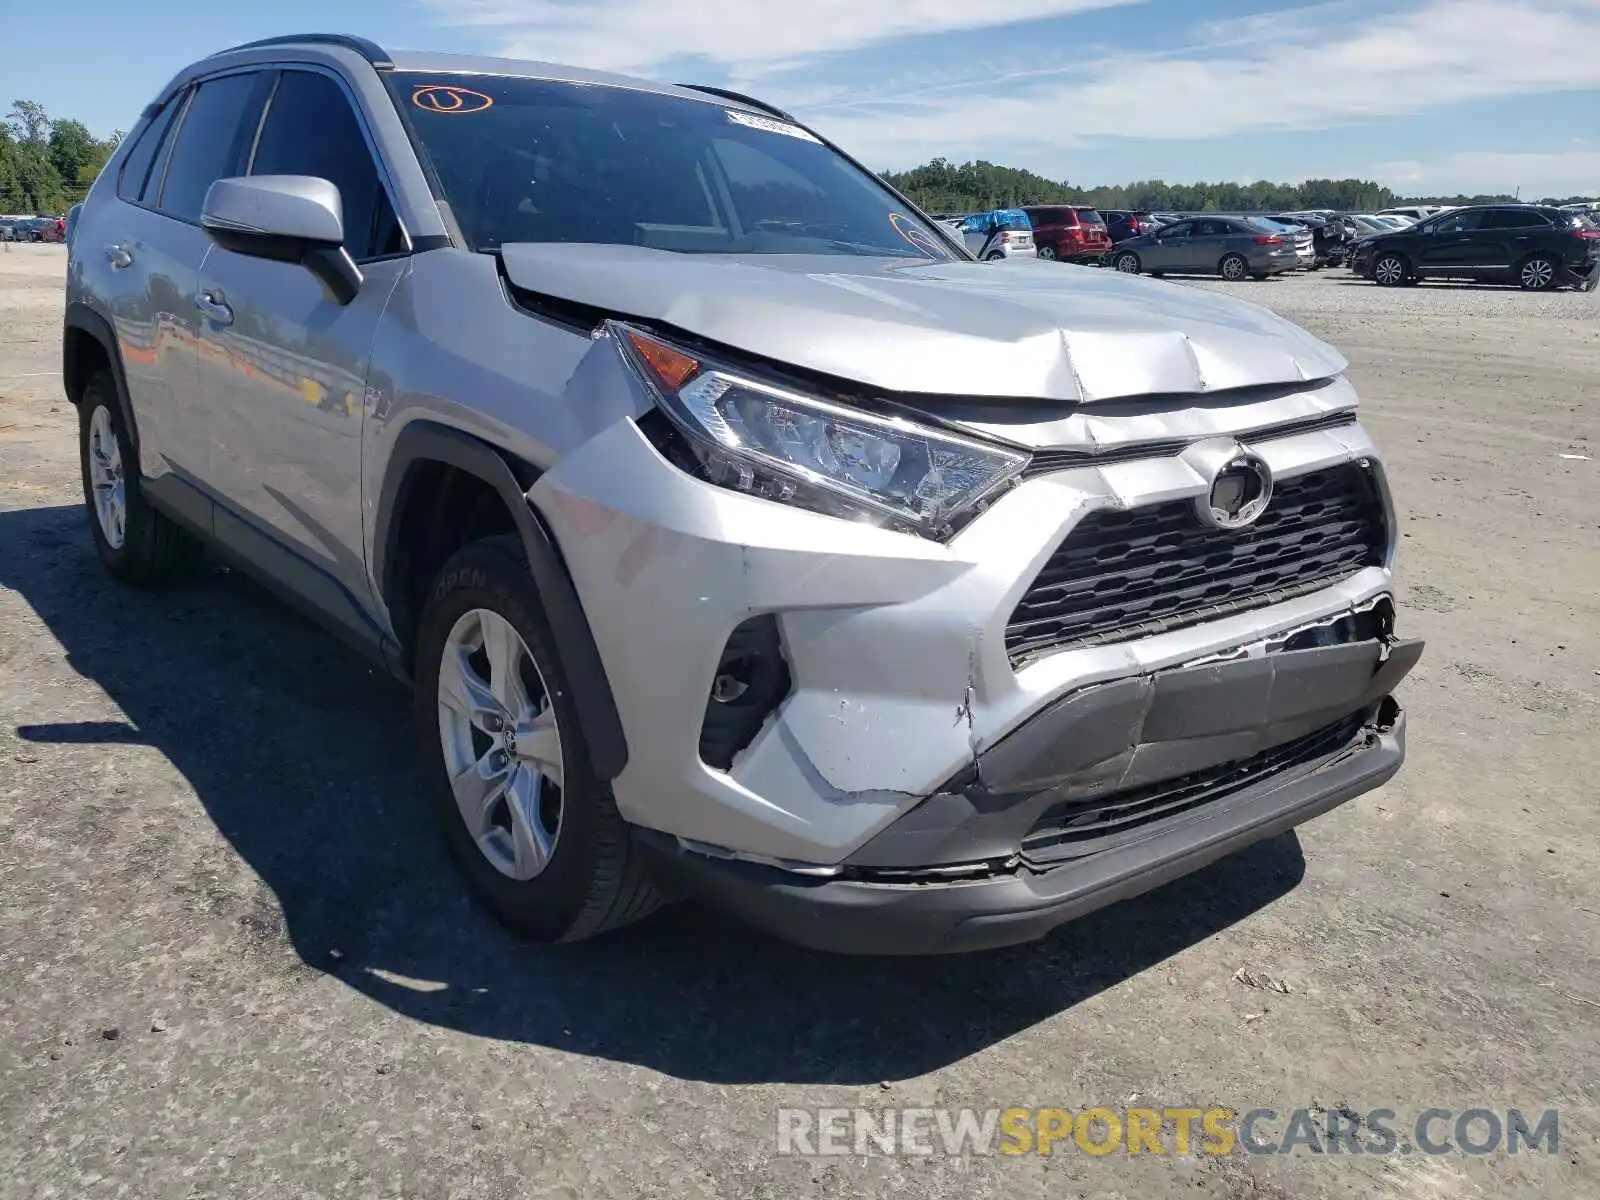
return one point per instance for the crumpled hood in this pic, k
(1022, 329)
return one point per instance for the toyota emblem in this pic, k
(1240, 492)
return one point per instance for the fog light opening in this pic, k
(751, 680)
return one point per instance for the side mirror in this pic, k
(286, 218)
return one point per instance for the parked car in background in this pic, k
(999, 233)
(1413, 212)
(1068, 233)
(1328, 238)
(1233, 247)
(1371, 226)
(1122, 223)
(8, 229)
(1532, 246)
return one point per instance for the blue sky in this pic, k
(1424, 95)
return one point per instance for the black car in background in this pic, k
(1532, 245)
(1122, 223)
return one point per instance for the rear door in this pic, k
(163, 245)
(1507, 236)
(285, 367)
(1207, 244)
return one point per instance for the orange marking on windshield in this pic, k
(447, 98)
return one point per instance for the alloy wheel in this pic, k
(1389, 271)
(1233, 268)
(1538, 274)
(1128, 264)
(502, 744)
(105, 477)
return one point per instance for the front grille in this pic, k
(1087, 826)
(1127, 574)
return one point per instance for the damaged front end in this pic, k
(893, 687)
(1106, 763)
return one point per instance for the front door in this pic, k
(1171, 251)
(284, 364)
(1448, 246)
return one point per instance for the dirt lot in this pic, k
(233, 960)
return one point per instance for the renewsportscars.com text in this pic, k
(1101, 1131)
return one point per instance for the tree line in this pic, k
(46, 166)
(941, 186)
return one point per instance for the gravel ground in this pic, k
(233, 960)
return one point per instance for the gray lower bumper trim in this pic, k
(858, 917)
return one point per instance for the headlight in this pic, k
(767, 441)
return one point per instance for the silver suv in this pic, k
(741, 536)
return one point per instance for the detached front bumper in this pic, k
(1066, 788)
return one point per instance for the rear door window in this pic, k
(137, 173)
(311, 129)
(212, 142)
(1512, 218)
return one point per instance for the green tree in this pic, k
(75, 153)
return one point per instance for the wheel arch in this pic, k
(88, 345)
(420, 451)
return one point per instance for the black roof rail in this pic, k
(739, 98)
(369, 50)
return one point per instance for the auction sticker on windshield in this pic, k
(751, 121)
(448, 98)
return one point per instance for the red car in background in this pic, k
(1068, 233)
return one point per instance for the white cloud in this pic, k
(1558, 174)
(1313, 67)
(1447, 52)
(634, 35)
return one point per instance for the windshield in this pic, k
(531, 160)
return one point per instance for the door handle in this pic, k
(211, 303)
(118, 256)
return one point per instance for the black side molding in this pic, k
(424, 441)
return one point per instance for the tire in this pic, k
(1536, 273)
(994, 256)
(1048, 252)
(136, 544)
(591, 878)
(1127, 263)
(1233, 267)
(1391, 270)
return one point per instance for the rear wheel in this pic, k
(1537, 274)
(1233, 267)
(994, 256)
(1390, 271)
(537, 837)
(135, 542)
(1047, 252)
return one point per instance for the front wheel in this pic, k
(1127, 262)
(1233, 267)
(1390, 271)
(1537, 274)
(536, 835)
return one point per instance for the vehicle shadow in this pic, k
(302, 756)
